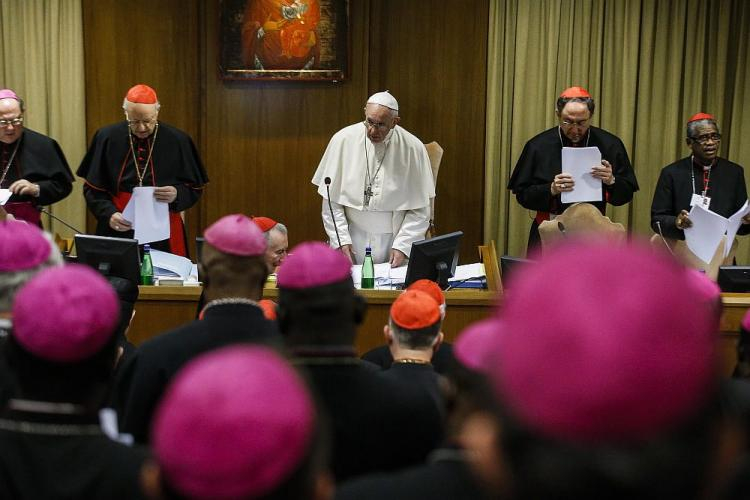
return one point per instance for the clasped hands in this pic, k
(564, 182)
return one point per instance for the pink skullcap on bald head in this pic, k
(65, 314)
(313, 264)
(475, 342)
(613, 350)
(8, 94)
(22, 246)
(236, 234)
(234, 423)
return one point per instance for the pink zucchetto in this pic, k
(23, 246)
(313, 264)
(703, 286)
(234, 423)
(475, 342)
(81, 313)
(8, 94)
(601, 344)
(745, 323)
(236, 234)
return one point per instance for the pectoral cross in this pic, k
(368, 195)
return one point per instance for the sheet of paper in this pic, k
(150, 218)
(468, 271)
(385, 275)
(705, 235)
(578, 162)
(5, 195)
(735, 221)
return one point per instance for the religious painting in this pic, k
(284, 40)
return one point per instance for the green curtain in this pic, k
(41, 58)
(649, 64)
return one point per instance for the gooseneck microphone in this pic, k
(658, 226)
(327, 181)
(58, 219)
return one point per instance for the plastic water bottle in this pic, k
(147, 267)
(368, 270)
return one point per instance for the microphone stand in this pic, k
(48, 213)
(330, 207)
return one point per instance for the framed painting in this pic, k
(284, 40)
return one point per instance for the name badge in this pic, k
(700, 200)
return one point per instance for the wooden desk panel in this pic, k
(162, 308)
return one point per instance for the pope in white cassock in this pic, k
(380, 188)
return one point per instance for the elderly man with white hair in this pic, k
(141, 151)
(376, 183)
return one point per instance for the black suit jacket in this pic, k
(145, 375)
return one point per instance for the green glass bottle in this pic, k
(147, 267)
(368, 270)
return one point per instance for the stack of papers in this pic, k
(578, 162)
(169, 265)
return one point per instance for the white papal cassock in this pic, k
(398, 211)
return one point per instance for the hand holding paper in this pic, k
(578, 162)
(150, 217)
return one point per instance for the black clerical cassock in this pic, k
(541, 160)
(167, 157)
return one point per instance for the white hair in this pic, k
(12, 281)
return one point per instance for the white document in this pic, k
(469, 271)
(578, 162)
(385, 275)
(171, 265)
(705, 235)
(733, 225)
(5, 195)
(150, 218)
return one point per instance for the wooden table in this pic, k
(160, 309)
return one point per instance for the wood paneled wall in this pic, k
(261, 141)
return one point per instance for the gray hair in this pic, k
(125, 103)
(424, 338)
(588, 101)
(12, 281)
(692, 127)
(281, 228)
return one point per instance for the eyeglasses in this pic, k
(581, 123)
(145, 123)
(705, 138)
(371, 124)
(16, 122)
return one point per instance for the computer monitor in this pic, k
(110, 256)
(434, 259)
(734, 279)
(509, 265)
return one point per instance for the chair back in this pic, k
(435, 153)
(577, 220)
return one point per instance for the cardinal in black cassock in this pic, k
(537, 178)
(141, 152)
